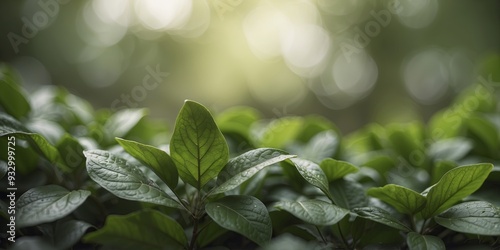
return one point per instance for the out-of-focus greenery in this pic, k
(351, 61)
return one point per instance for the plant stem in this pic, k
(321, 235)
(195, 234)
(344, 241)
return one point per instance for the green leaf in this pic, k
(313, 174)
(71, 152)
(12, 98)
(123, 180)
(403, 199)
(242, 214)
(10, 126)
(147, 229)
(316, 212)
(197, 147)
(417, 241)
(243, 167)
(487, 134)
(321, 146)
(452, 149)
(156, 159)
(381, 216)
(455, 185)
(238, 120)
(335, 169)
(406, 140)
(120, 123)
(348, 194)
(3, 169)
(281, 132)
(46, 204)
(69, 233)
(476, 217)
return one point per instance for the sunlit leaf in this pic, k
(47, 203)
(403, 199)
(476, 217)
(243, 167)
(455, 185)
(156, 159)
(197, 147)
(124, 180)
(315, 212)
(335, 169)
(242, 214)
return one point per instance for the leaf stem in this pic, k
(344, 241)
(321, 235)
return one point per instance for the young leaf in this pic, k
(197, 147)
(417, 241)
(147, 229)
(313, 174)
(156, 159)
(335, 169)
(315, 212)
(403, 199)
(12, 98)
(381, 216)
(123, 180)
(455, 185)
(476, 217)
(242, 214)
(47, 203)
(243, 167)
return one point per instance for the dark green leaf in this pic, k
(197, 147)
(313, 174)
(455, 185)
(156, 159)
(476, 217)
(243, 167)
(71, 152)
(47, 203)
(403, 199)
(315, 212)
(124, 180)
(147, 229)
(69, 233)
(335, 169)
(242, 214)
(417, 241)
(381, 216)
(3, 169)
(348, 194)
(12, 98)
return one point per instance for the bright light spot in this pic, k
(198, 23)
(117, 11)
(94, 31)
(163, 14)
(426, 76)
(262, 28)
(304, 48)
(417, 14)
(357, 76)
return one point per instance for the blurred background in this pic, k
(351, 61)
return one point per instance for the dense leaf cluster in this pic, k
(236, 180)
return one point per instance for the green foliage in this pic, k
(241, 182)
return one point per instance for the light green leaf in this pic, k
(197, 147)
(121, 122)
(348, 194)
(417, 241)
(455, 185)
(313, 174)
(381, 216)
(280, 132)
(335, 169)
(147, 229)
(10, 126)
(452, 149)
(69, 233)
(316, 212)
(12, 98)
(321, 146)
(156, 159)
(123, 180)
(237, 120)
(46, 204)
(242, 214)
(476, 217)
(243, 167)
(403, 199)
